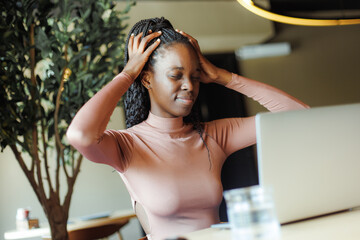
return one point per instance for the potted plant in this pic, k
(54, 56)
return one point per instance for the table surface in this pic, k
(344, 225)
(337, 226)
(116, 217)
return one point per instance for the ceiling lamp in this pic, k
(249, 5)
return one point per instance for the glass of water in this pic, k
(252, 214)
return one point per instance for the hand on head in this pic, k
(210, 73)
(138, 56)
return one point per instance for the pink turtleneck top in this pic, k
(173, 179)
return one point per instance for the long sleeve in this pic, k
(87, 130)
(270, 97)
(233, 134)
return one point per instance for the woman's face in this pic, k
(174, 81)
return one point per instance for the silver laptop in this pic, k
(311, 159)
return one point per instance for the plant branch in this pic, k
(71, 182)
(60, 146)
(34, 145)
(32, 57)
(33, 84)
(28, 173)
(57, 170)
(72, 162)
(45, 146)
(35, 157)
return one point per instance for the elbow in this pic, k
(78, 138)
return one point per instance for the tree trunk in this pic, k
(57, 218)
(56, 213)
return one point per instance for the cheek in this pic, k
(165, 88)
(169, 87)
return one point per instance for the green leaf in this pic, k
(77, 57)
(62, 37)
(42, 43)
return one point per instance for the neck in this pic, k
(174, 123)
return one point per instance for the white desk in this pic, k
(340, 226)
(119, 218)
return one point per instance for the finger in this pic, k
(192, 40)
(152, 47)
(151, 36)
(147, 39)
(195, 44)
(137, 41)
(185, 34)
(130, 44)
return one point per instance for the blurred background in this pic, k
(322, 68)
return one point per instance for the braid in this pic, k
(137, 101)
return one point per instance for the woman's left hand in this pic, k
(211, 73)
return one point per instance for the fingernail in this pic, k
(132, 34)
(159, 31)
(158, 39)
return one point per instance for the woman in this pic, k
(169, 161)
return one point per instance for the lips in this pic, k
(187, 100)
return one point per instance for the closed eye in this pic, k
(196, 78)
(197, 75)
(176, 77)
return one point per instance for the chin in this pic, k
(186, 115)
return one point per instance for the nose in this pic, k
(187, 85)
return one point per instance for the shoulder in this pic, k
(232, 134)
(223, 123)
(223, 128)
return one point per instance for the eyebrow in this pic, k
(176, 68)
(181, 68)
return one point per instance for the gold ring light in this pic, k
(249, 5)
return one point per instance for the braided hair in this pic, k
(137, 100)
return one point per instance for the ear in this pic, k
(146, 79)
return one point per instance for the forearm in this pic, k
(91, 120)
(270, 97)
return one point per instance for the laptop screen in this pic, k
(311, 159)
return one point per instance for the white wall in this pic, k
(323, 68)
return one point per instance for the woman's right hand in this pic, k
(138, 56)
